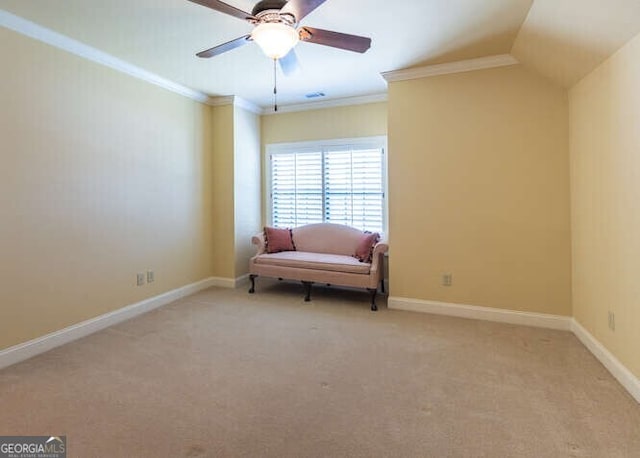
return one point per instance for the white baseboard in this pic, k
(563, 323)
(242, 281)
(224, 282)
(540, 320)
(26, 350)
(626, 378)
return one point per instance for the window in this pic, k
(339, 182)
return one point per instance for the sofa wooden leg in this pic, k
(373, 292)
(252, 278)
(307, 290)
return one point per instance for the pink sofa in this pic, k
(324, 254)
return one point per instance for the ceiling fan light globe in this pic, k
(275, 39)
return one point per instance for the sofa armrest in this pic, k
(379, 249)
(260, 243)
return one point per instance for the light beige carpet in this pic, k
(223, 373)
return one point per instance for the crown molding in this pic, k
(345, 101)
(247, 105)
(65, 43)
(55, 39)
(481, 63)
(221, 101)
(236, 101)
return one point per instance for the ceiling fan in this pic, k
(275, 30)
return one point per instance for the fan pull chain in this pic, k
(275, 86)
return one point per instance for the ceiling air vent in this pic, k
(315, 95)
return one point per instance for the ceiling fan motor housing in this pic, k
(275, 29)
(264, 5)
(269, 11)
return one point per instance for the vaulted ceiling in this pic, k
(561, 39)
(566, 39)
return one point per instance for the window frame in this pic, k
(375, 142)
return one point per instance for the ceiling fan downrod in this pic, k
(275, 86)
(276, 31)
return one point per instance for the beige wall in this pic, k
(102, 176)
(479, 187)
(236, 189)
(367, 120)
(354, 121)
(246, 187)
(605, 190)
(223, 192)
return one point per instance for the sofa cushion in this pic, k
(278, 239)
(318, 261)
(327, 238)
(364, 251)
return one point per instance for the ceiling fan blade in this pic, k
(290, 64)
(224, 8)
(300, 8)
(353, 43)
(228, 46)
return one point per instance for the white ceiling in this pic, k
(561, 39)
(566, 39)
(162, 36)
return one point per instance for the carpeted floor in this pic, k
(223, 373)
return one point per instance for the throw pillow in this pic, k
(278, 240)
(364, 251)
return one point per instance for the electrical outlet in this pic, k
(151, 276)
(612, 321)
(447, 279)
(140, 279)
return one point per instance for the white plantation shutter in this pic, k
(354, 193)
(296, 189)
(338, 184)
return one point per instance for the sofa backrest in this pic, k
(327, 238)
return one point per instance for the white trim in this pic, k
(26, 350)
(221, 100)
(562, 323)
(242, 281)
(372, 141)
(246, 105)
(378, 141)
(331, 103)
(48, 36)
(226, 282)
(481, 63)
(623, 375)
(540, 320)
(223, 282)
(236, 102)
(60, 41)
